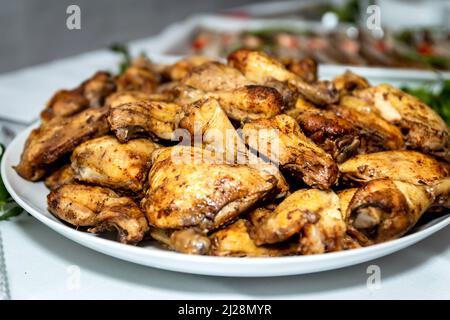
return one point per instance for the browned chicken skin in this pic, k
(207, 119)
(313, 213)
(188, 188)
(107, 162)
(215, 76)
(306, 68)
(348, 82)
(335, 135)
(90, 93)
(185, 240)
(145, 118)
(58, 137)
(386, 209)
(242, 104)
(376, 133)
(99, 208)
(59, 177)
(422, 127)
(402, 165)
(235, 241)
(260, 68)
(139, 76)
(281, 140)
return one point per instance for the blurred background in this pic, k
(415, 32)
(34, 31)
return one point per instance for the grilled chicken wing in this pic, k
(192, 187)
(313, 213)
(99, 208)
(235, 241)
(91, 93)
(422, 127)
(215, 76)
(58, 137)
(145, 118)
(61, 176)
(281, 140)
(107, 162)
(386, 209)
(208, 119)
(241, 104)
(333, 134)
(260, 68)
(403, 165)
(376, 133)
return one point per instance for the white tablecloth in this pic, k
(42, 264)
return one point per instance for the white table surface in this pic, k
(41, 264)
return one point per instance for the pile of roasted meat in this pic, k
(251, 157)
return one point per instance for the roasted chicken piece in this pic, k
(312, 213)
(241, 104)
(260, 68)
(402, 165)
(185, 240)
(97, 88)
(215, 76)
(235, 241)
(332, 133)
(348, 82)
(376, 133)
(206, 121)
(386, 209)
(90, 93)
(281, 140)
(61, 176)
(305, 68)
(422, 127)
(182, 67)
(139, 76)
(193, 187)
(107, 162)
(57, 138)
(65, 103)
(157, 119)
(99, 208)
(122, 97)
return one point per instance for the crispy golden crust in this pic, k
(99, 208)
(57, 138)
